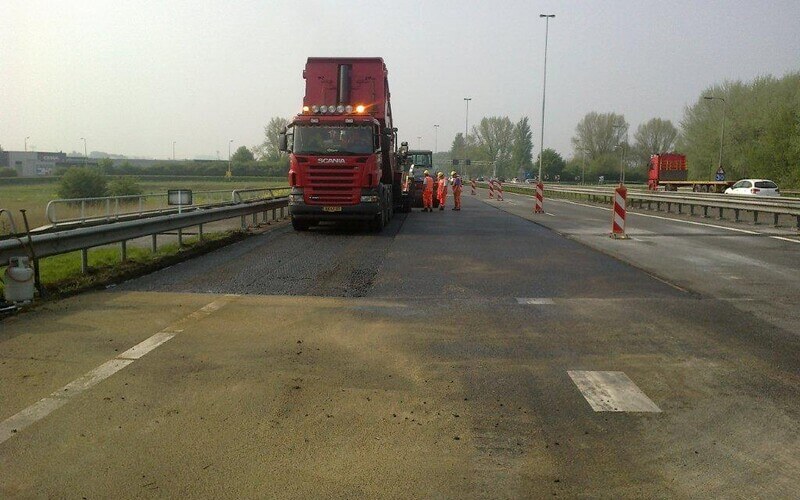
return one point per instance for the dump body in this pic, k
(669, 171)
(342, 146)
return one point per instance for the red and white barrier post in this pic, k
(499, 191)
(538, 207)
(491, 188)
(618, 214)
(473, 185)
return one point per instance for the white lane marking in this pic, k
(528, 301)
(548, 213)
(612, 391)
(745, 231)
(45, 406)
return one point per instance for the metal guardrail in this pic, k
(68, 211)
(59, 242)
(775, 206)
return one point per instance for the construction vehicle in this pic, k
(344, 163)
(668, 171)
(420, 160)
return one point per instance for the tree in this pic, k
(8, 172)
(597, 134)
(268, 150)
(493, 139)
(82, 182)
(655, 136)
(242, 155)
(459, 148)
(762, 130)
(553, 164)
(522, 147)
(106, 165)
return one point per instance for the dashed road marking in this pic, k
(45, 406)
(532, 301)
(612, 391)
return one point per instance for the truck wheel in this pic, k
(379, 222)
(300, 225)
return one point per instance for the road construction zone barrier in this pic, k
(473, 185)
(499, 191)
(538, 207)
(491, 189)
(618, 214)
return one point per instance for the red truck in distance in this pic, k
(669, 171)
(343, 156)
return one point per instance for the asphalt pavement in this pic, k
(472, 354)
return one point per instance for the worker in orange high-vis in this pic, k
(427, 193)
(442, 191)
(455, 181)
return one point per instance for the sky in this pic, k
(132, 77)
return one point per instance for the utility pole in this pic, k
(173, 150)
(436, 139)
(26, 143)
(229, 173)
(85, 155)
(544, 88)
(466, 133)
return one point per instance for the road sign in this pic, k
(455, 163)
(720, 176)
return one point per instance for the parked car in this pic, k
(754, 187)
(480, 179)
(530, 181)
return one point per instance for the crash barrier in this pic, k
(84, 238)
(702, 204)
(538, 206)
(100, 210)
(474, 186)
(491, 189)
(618, 214)
(499, 186)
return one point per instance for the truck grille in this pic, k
(332, 185)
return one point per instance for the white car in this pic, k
(754, 187)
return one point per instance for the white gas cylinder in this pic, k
(18, 280)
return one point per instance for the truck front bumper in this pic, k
(364, 211)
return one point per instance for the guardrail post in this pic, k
(705, 212)
(798, 222)
(83, 211)
(244, 223)
(669, 207)
(775, 215)
(123, 250)
(154, 243)
(255, 219)
(755, 217)
(200, 231)
(282, 216)
(735, 215)
(691, 209)
(180, 238)
(680, 208)
(658, 206)
(84, 260)
(273, 214)
(720, 213)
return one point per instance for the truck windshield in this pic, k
(419, 160)
(325, 139)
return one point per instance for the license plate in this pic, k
(331, 209)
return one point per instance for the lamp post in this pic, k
(26, 143)
(544, 88)
(466, 132)
(85, 155)
(419, 142)
(229, 174)
(722, 133)
(436, 139)
(173, 150)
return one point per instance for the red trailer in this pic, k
(343, 158)
(669, 171)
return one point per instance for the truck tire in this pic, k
(300, 225)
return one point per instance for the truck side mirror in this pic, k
(282, 142)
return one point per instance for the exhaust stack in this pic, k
(343, 97)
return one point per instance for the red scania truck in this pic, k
(343, 156)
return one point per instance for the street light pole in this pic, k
(26, 143)
(436, 139)
(229, 174)
(85, 155)
(722, 134)
(544, 88)
(466, 133)
(173, 150)
(419, 142)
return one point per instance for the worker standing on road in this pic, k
(427, 193)
(442, 192)
(455, 181)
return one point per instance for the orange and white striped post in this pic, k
(473, 185)
(499, 191)
(618, 217)
(538, 207)
(491, 188)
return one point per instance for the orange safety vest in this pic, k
(428, 184)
